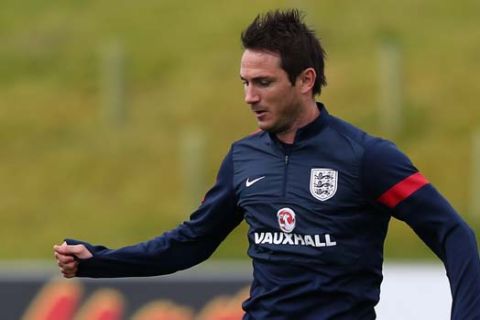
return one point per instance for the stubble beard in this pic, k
(286, 121)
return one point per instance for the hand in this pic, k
(67, 257)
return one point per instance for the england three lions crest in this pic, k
(323, 183)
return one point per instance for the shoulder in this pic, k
(382, 163)
(256, 140)
(252, 137)
(358, 140)
(371, 145)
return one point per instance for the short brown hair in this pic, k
(284, 32)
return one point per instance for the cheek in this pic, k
(279, 95)
(284, 101)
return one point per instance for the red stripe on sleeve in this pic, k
(402, 190)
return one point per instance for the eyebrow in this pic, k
(257, 78)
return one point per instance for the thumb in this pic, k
(80, 251)
(77, 250)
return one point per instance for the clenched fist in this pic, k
(67, 257)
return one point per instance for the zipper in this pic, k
(285, 173)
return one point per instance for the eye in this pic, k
(264, 82)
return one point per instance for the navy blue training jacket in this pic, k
(318, 212)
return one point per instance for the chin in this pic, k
(268, 126)
(263, 126)
(270, 130)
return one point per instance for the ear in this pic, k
(306, 80)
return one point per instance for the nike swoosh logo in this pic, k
(249, 183)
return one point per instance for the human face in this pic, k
(273, 99)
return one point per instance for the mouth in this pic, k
(259, 112)
(260, 115)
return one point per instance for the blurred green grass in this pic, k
(67, 172)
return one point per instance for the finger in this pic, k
(69, 270)
(78, 250)
(72, 266)
(62, 248)
(67, 265)
(64, 243)
(64, 258)
(69, 274)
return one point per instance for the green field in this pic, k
(70, 170)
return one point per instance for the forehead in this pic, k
(259, 63)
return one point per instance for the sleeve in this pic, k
(391, 180)
(185, 246)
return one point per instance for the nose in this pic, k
(251, 96)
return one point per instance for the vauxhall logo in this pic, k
(287, 221)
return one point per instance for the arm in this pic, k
(185, 246)
(398, 187)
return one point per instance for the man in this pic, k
(316, 192)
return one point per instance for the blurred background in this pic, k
(115, 115)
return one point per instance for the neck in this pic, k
(310, 113)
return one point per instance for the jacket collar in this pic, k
(310, 130)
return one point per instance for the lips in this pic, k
(260, 114)
(259, 111)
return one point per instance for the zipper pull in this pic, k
(286, 159)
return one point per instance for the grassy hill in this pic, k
(68, 169)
